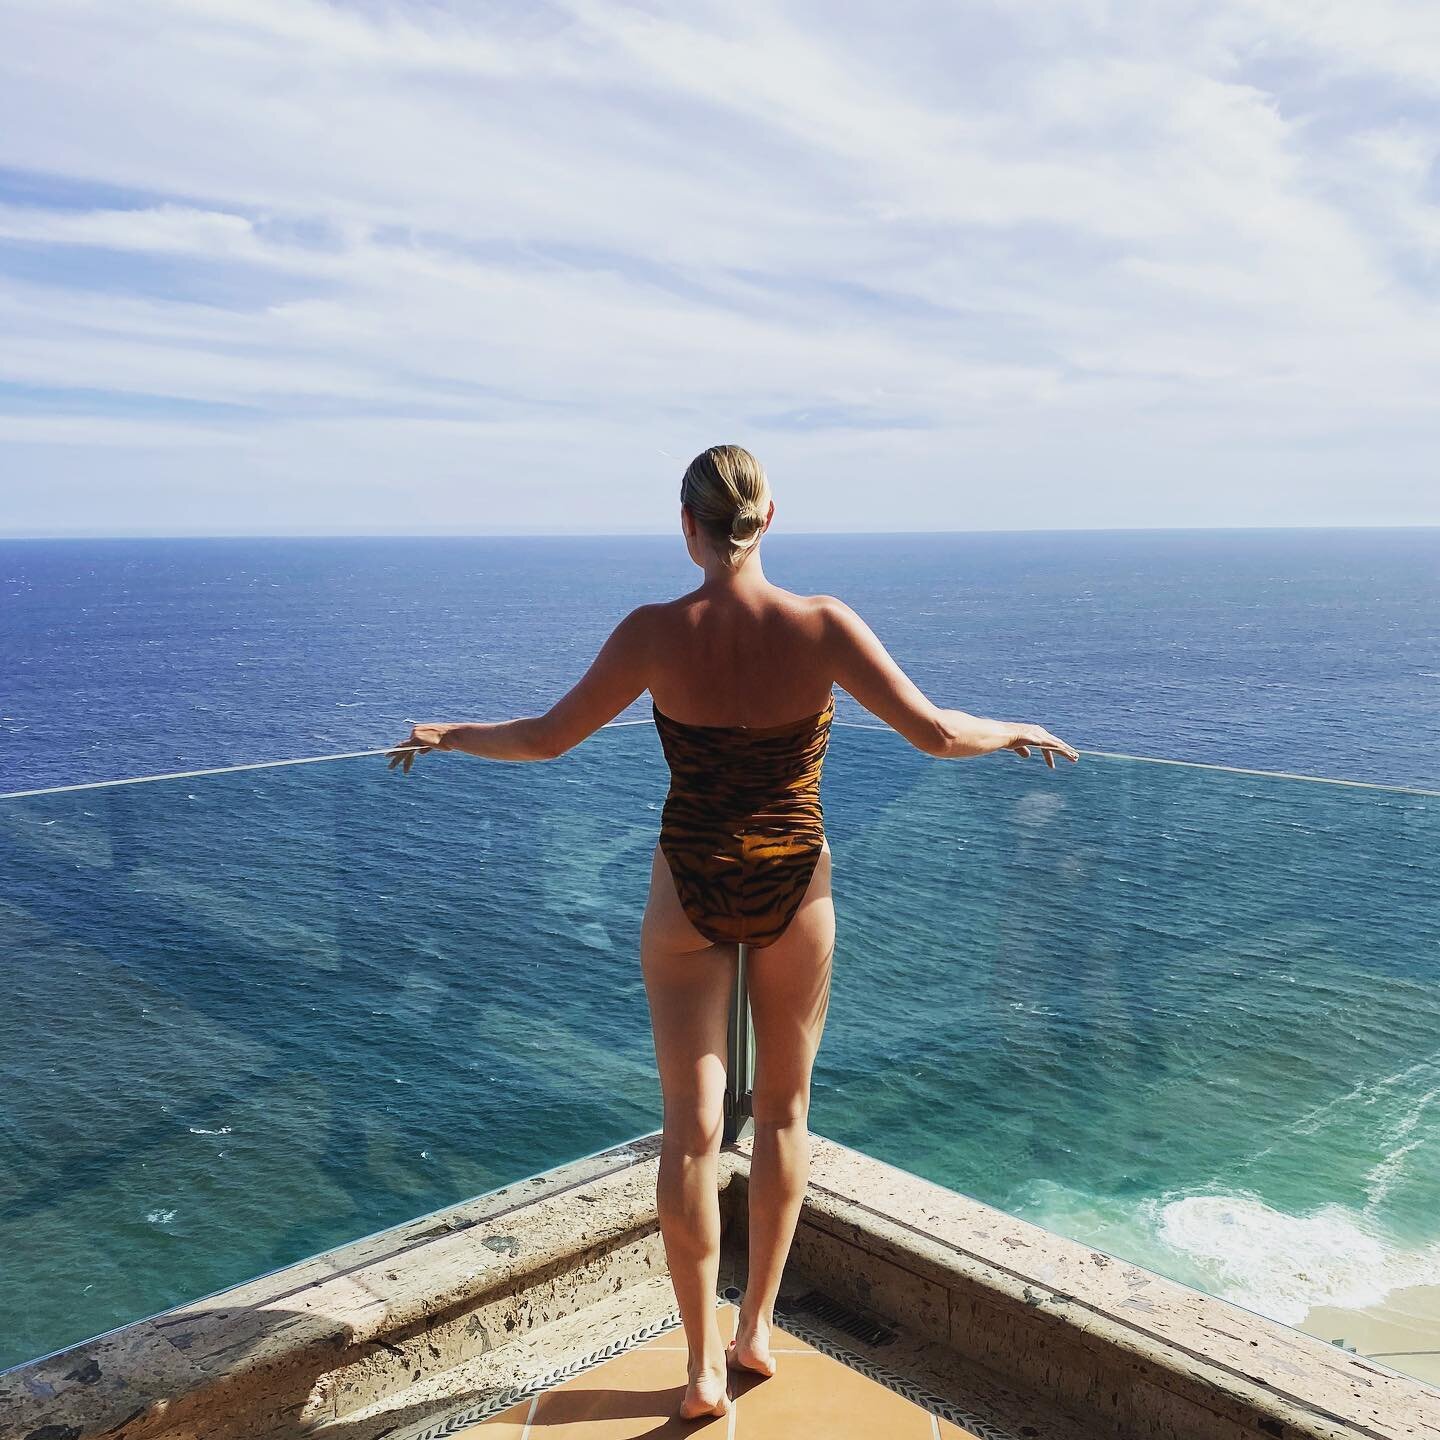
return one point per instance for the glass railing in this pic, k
(250, 1015)
(1186, 1016)
(1183, 1015)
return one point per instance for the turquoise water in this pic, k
(1188, 1017)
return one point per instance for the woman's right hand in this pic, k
(421, 740)
(1035, 737)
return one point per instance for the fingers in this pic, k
(1047, 744)
(1050, 745)
(404, 754)
(1062, 747)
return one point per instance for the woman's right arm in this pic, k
(863, 668)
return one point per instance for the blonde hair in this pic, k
(725, 488)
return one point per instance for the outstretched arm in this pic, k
(616, 678)
(865, 669)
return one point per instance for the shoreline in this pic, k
(1402, 1331)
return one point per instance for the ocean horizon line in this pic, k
(669, 534)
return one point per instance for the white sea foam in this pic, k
(1242, 1249)
(200, 1130)
(1282, 1265)
(160, 1217)
(1381, 1178)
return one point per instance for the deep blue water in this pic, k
(1185, 1016)
(1312, 651)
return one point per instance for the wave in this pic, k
(1381, 1178)
(1284, 1265)
(1243, 1249)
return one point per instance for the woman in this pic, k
(741, 857)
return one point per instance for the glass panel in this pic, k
(252, 1015)
(1185, 1016)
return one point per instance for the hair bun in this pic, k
(748, 520)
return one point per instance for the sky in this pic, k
(292, 267)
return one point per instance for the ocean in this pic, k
(1183, 1015)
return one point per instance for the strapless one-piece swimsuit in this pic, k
(742, 827)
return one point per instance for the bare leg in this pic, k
(688, 981)
(789, 985)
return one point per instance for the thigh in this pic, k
(688, 981)
(665, 923)
(789, 985)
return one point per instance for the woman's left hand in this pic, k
(423, 738)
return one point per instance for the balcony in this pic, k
(1126, 1096)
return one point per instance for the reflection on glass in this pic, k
(1187, 1017)
(252, 1015)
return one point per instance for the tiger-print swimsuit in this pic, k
(742, 828)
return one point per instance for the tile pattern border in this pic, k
(502, 1400)
(901, 1385)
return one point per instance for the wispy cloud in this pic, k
(334, 266)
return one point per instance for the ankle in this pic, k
(709, 1354)
(756, 1319)
(708, 1364)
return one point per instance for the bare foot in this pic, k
(750, 1349)
(705, 1395)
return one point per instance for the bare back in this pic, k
(759, 656)
(760, 659)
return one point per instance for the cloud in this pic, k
(1137, 264)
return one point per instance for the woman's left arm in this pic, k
(615, 679)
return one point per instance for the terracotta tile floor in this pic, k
(637, 1394)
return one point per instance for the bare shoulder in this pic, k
(659, 619)
(820, 603)
(647, 614)
(838, 623)
(638, 636)
(829, 605)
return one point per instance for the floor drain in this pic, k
(823, 1307)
